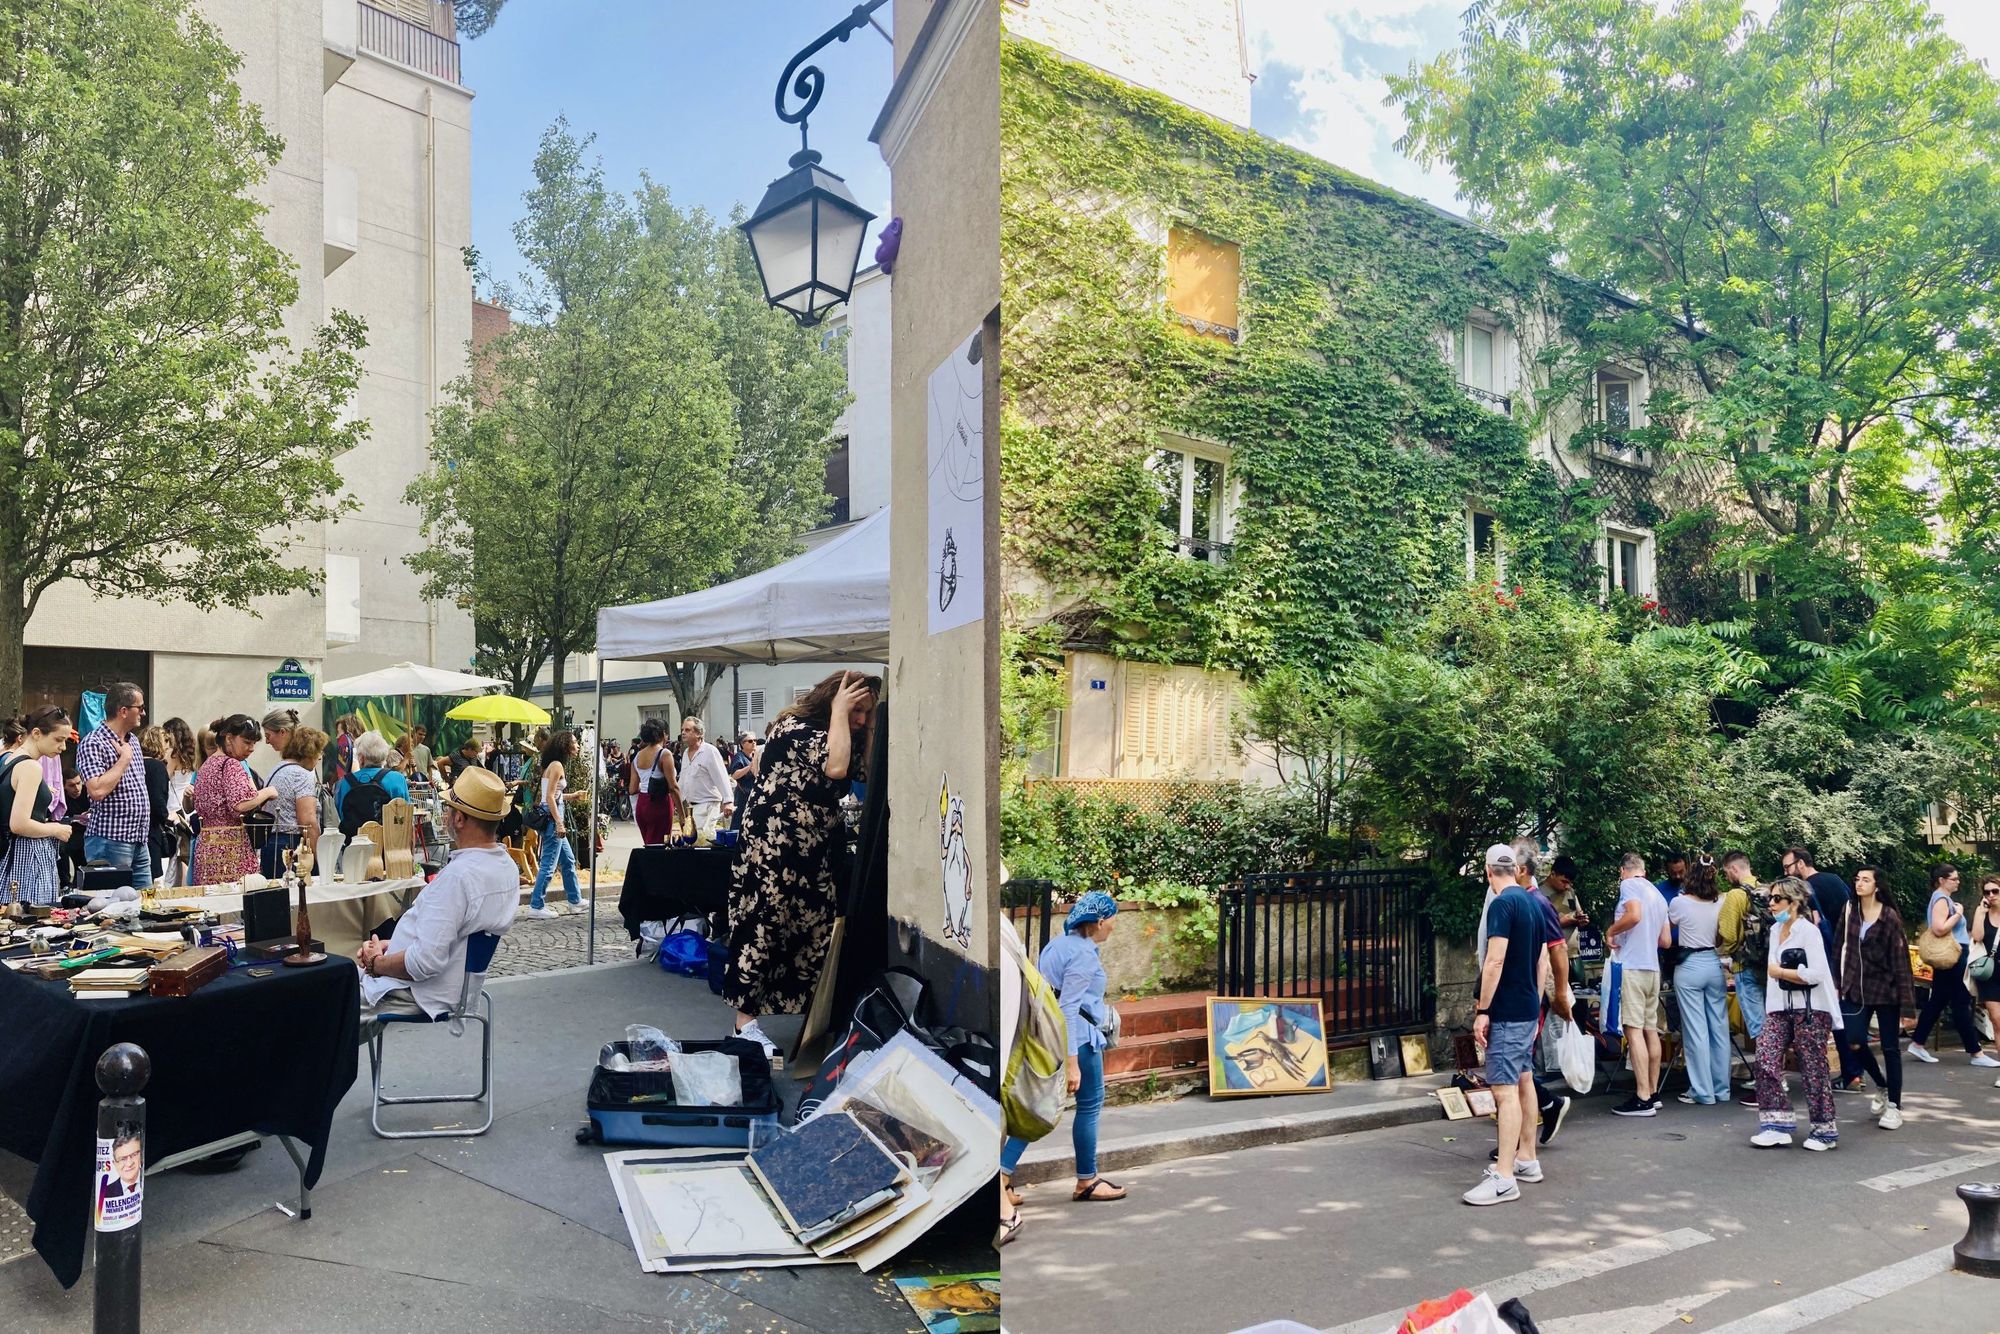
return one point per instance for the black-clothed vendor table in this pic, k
(272, 1055)
(663, 883)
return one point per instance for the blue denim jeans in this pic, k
(1750, 999)
(134, 857)
(1704, 1025)
(1083, 1125)
(556, 851)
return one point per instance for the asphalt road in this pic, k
(1673, 1222)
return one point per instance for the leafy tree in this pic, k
(159, 435)
(590, 467)
(1816, 196)
(476, 17)
(1512, 713)
(787, 387)
(1032, 692)
(1294, 717)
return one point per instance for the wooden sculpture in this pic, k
(399, 861)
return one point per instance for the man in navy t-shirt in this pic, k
(1508, 1015)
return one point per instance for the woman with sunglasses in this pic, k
(1800, 1005)
(1986, 945)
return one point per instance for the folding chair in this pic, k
(478, 958)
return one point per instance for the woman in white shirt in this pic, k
(704, 781)
(1698, 982)
(1800, 1005)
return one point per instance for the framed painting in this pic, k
(1265, 1044)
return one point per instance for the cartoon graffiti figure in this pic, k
(957, 864)
(947, 572)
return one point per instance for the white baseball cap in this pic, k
(1500, 856)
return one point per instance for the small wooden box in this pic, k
(189, 971)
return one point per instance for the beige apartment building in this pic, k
(372, 200)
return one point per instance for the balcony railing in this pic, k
(1201, 548)
(402, 42)
(1498, 402)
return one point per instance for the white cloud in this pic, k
(1333, 56)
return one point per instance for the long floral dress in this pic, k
(783, 901)
(223, 852)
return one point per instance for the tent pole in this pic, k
(596, 760)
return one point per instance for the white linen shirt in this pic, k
(703, 778)
(478, 890)
(1798, 934)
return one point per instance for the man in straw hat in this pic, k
(421, 969)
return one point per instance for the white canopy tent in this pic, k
(830, 604)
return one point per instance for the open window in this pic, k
(1479, 355)
(1205, 283)
(1626, 555)
(1620, 407)
(1482, 543)
(1197, 500)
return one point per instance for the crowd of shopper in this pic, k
(1810, 962)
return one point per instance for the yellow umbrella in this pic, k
(500, 709)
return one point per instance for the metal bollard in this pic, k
(1978, 1252)
(118, 1187)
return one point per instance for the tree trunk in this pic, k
(13, 649)
(1805, 615)
(693, 684)
(561, 656)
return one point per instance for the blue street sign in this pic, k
(291, 683)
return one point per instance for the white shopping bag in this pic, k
(1576, 1054)
(1478, 1316)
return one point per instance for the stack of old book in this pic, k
(834, 1183)
(107, 981)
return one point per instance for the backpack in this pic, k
(1033, 1088)
(1753, 952)
(364, 802)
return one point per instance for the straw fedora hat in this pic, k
(480, 794)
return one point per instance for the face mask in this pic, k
(1782, 916)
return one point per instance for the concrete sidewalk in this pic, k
(517, 1229)
(1135, 1134)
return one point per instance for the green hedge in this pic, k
(1200, 836)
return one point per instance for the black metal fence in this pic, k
(1355, 939)
(1038, 898)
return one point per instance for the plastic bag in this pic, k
(650, 936)
(644, 1048)
(1576, 1056)
(707, 1079)
(684, 952)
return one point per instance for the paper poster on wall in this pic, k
(121, 1181)
(957, 458)
(956, 864)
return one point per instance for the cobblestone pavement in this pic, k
(538, 946)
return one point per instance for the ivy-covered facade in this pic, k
(1258, 410)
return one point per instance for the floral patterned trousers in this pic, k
(1803, 1032)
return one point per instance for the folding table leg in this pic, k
(305, 1194)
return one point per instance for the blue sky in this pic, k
(679, 90)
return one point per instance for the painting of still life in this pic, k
(1263, 1044)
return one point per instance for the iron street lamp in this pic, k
(806, 233)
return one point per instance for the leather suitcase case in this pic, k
(185, 973)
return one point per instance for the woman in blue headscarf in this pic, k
(1071, 965)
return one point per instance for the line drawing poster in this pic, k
(957, 458)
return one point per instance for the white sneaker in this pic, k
(1493, 1189)
(1821, 1145)
(1527, 1171)
(1771, 1139)
(540, 913)
(1917, 1051)
(753, 1032)
(1984, 1060)
(1892, 1118)
(1877, 1104)
(574, 909)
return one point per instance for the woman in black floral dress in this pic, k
(783, 901)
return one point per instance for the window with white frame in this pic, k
(1620, 407)
(1626, 555)
(1482, 542)
(753, 703)
(1757, 583)
(1196, 494)
(800, 692)
(1479, 349)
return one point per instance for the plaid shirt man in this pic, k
(124, 814)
